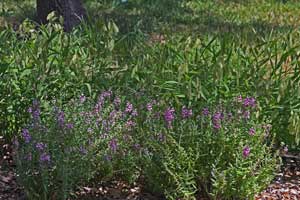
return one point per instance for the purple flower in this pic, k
(216, 125)
(106, 93)
(29, 110)
(35, 110)
(40, 146)
(36, 114)
(252, 131)
(129, 107)
(169, 116)
(239, 99)
(216, 120)
(137, 146)
(113, 145)
(218, 116)
(70, 126)
(205, 111)
(130, 124)
(26, 136)
(82, 98)
(61, 118)
(44, 157)
(186, 113)
(149, 107)
(246, 151)
(29, 157)
(113, 115)
(249, 102)
(98, 107)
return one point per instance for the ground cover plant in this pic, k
(199, 54)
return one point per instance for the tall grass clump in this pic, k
(47, 64)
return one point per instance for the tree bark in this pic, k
(72, 11)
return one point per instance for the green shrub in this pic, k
(52, 156)
(223, 151)
(61, 149)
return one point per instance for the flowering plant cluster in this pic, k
(221, 150)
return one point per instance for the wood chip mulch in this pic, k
(9, 189)
(286, 185)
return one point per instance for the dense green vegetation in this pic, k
(193, 53)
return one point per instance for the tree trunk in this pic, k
(72, 11)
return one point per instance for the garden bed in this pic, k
(285, 186)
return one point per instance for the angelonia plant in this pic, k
(222, 151)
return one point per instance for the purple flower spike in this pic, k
(29, 157)
(35, 111)
(216, 120)
(40, 146)
(216, 126)
(29, 110)
(130, 124)
(113, 145)
(252, 131)
(36, 114)
(129, 107)
(249, 102)
(205, 111)
(61, 118)
(82, 98)
(186, 113)
(246, 151)
(149, 107)
(106, 93)
(137, 147)
(239, 99)
(70, 126)
(26, 136)
(169, 116)
(45, 158)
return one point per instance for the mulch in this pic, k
(9, 189)
(286, 185)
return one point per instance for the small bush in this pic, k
(223, 151)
